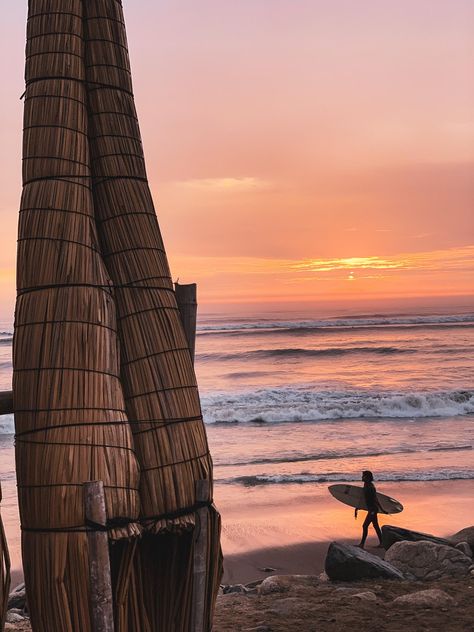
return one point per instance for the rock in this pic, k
(323, 577)
(283, 583)
(253, 584)
(464, 547)
(234, 589)
(349, 563)
(425, 599)
(17, 598)
(465, 535)
(427, 560)
(391, 534)
(365, 596)
(274, 584)
(267, 569)
(14, 617)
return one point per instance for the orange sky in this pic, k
(297, 151)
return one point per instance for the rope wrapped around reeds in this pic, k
(70, 418)
(158, 378)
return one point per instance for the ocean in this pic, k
(311, 400)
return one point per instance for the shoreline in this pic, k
(289, 527)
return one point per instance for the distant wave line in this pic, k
(297, 352)
(334, 477)
(322, 456)
(337, 323)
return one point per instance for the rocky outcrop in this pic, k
(465, 535)
(427, 560)
(350, 563)
(425, 599)
(391, 534)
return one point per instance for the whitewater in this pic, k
(310, 400)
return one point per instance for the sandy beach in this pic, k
(289, 530)
(292, 532)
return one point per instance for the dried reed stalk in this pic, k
(157, 373)
(70, 419)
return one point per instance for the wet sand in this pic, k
(289, 528)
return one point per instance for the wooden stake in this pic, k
(4, 571)
(102, 616)
(6, 403)
(186, 297)
(200, 558)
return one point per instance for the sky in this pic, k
(299, 151)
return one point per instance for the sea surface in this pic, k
(307, 400)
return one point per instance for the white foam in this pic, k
(7, 425)
(286, 404)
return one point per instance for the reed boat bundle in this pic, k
(157, 370)
(70, 417)
(91, 269)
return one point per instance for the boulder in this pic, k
(350, 563)
(465, 535)
(464, 547)
(17, 598)
(391, 534)
(283, 583)
(14, 617)
(425, 599)
(427, 560)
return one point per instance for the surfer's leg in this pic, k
(365, 530)
(375, 522)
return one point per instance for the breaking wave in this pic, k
(7, 425)
(287, 404)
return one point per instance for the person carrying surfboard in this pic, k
(373, 508)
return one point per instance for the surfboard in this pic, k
(353, 496)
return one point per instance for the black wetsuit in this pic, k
(370, 495)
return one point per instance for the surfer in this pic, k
(370, 495)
